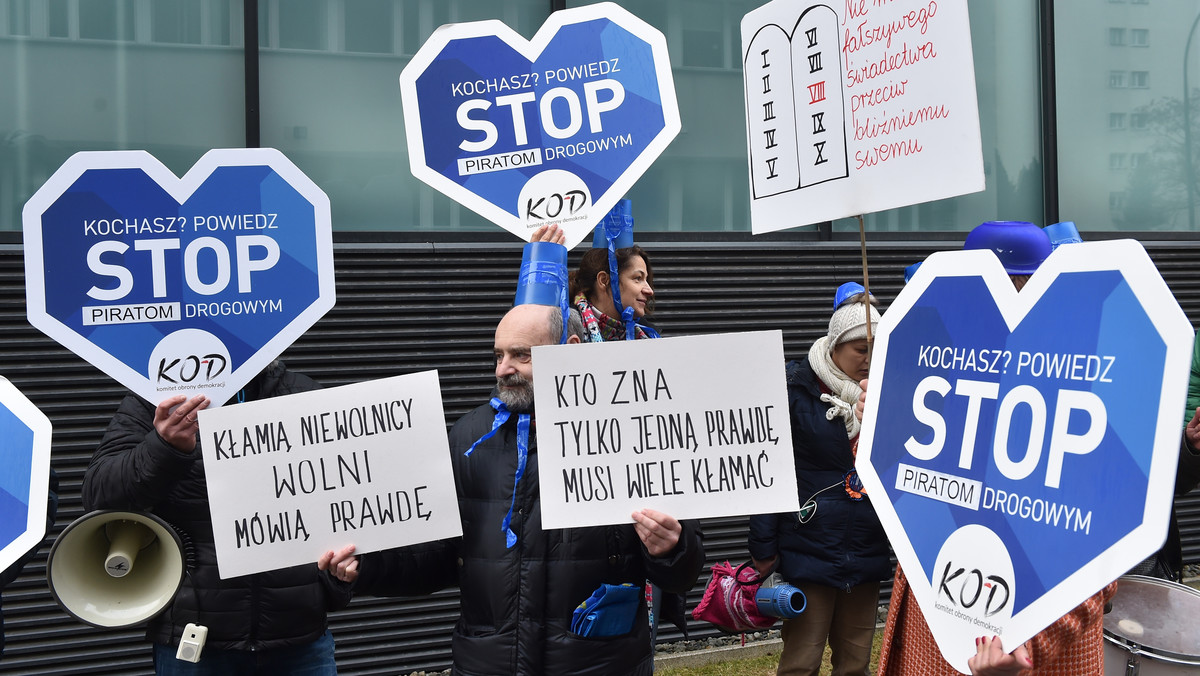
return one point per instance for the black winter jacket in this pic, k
(135, 469)
(517, 603)
(843, 544)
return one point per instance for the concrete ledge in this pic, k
(698, 658)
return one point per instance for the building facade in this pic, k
(1086, 114)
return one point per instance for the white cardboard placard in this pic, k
(292, 477)
(857, 107)
(693, 427)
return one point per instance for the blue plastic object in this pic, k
(784, 601)
(911, 270)
(1062, 233)
(609, 611)
(543, 279)
(845, 291)
(1020, 246)
(543, 275)
(616, 224)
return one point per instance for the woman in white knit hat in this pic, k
(834, 549)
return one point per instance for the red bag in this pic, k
(728, 600)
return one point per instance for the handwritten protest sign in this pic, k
(654, 423)
(856, 107)
(1020, 448)
(290, 478)
(178, 285)
(553, 130)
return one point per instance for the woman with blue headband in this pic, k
(613, 288)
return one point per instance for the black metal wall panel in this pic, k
(410, 307)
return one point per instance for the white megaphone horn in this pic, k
(115, 569)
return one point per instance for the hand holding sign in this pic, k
(659, 532)
(176, 422)
(343, 564)
(991, 660)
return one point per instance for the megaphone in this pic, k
(113, 568)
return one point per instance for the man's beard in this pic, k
(519, 400)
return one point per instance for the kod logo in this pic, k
(1015, 444)
(975, 580)
(189, 358)
(553, 196)
(173, 285)
(549, 131)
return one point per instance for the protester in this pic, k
(609, 308)
(1188, 476)
(834, 549)
(519, 583)
(1074, 644)
(9, 574)
(615, 256)
(271, 623)
(1168, 562)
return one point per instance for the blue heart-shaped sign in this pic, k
(549, 131)
(1020, 448)
(24, 482)
(178, 286)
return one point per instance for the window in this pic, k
(1139, 79)
(1137, 121)
(1139, 37)
(357, 151)
(18, 17)
(302, 24)
(1139, 160)
(367, 25)
(174, 103)
(1140, 2)
(176, 21)
(1116, 36)
(106, 20)
(1116, 161)
(1116, 79)
(704, 29)
(1116, 120)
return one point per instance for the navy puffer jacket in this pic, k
(842, 544)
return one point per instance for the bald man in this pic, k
(517, 599)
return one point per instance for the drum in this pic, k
(1154, 628)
